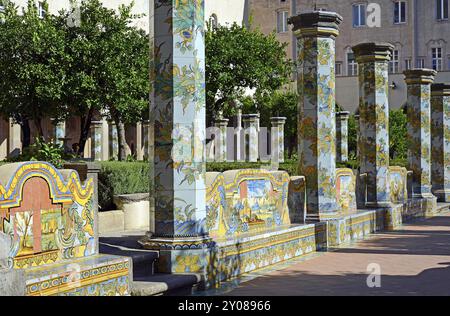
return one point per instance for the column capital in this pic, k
(316, 24)
(440, 89)
(96, 123)
(419, 76)
(250, 117)
(278, 120)
(221, 122)
(373, 51)
(343, 115)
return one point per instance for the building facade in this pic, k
(418, 29)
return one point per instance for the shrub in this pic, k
(118, 177)
(42, 150)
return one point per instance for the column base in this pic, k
(181, 255)
(443, 195)
(379, 204)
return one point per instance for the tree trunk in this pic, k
(37, 123)
(121, 138)
(26, 133)
(85, 124)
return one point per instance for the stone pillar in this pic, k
(419, 129)
(59, 131)
(251, 137)
(357, 135)
(277, 137)
(96, 140)
(342, 136)
(238, 142)
(440, 141)
(146, 139)
(316, 32)
(178, 113)
(113, 140)
(139, 142)
(221, 151)
(373, 62)
(14, 139)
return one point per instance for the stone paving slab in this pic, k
(414, 260)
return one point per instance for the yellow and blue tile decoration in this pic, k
(373, 62)
(316, 33)
(440, 141)
(248, 219)
(50, 217)
(419, 129)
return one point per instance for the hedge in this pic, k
(133, 177)
(117, 177)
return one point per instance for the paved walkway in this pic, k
(414, 260)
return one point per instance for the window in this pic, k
(442, 9)
(352, 69)
(282, 25)
(399, 12)
(407, 64)
(436, 58)
(338, 68)
(41, 9)
(394, 63)
(420, 63)
(359, 15)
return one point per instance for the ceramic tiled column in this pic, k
(440, 141)
(373, 63)
(251, 137)
(342, 136)
(316, 32)
(113, 140)
(221, 150)
(419, 129)
(96, 140)
(277, 138)
(178, 113)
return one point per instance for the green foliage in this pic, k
(398, 134)
(237, 59)
(41, 150)
(118, 177)
(290, 166)
(352, 139)
(32, 55)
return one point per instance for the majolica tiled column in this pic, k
(277, 138)
(113, 140)
(440, 141)
(373, 63)
(221, 150)
(316, 33)
(96, 140)
(251, 137)
(342, 136)
(419, 129)
(139, 142)
(178, 113)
